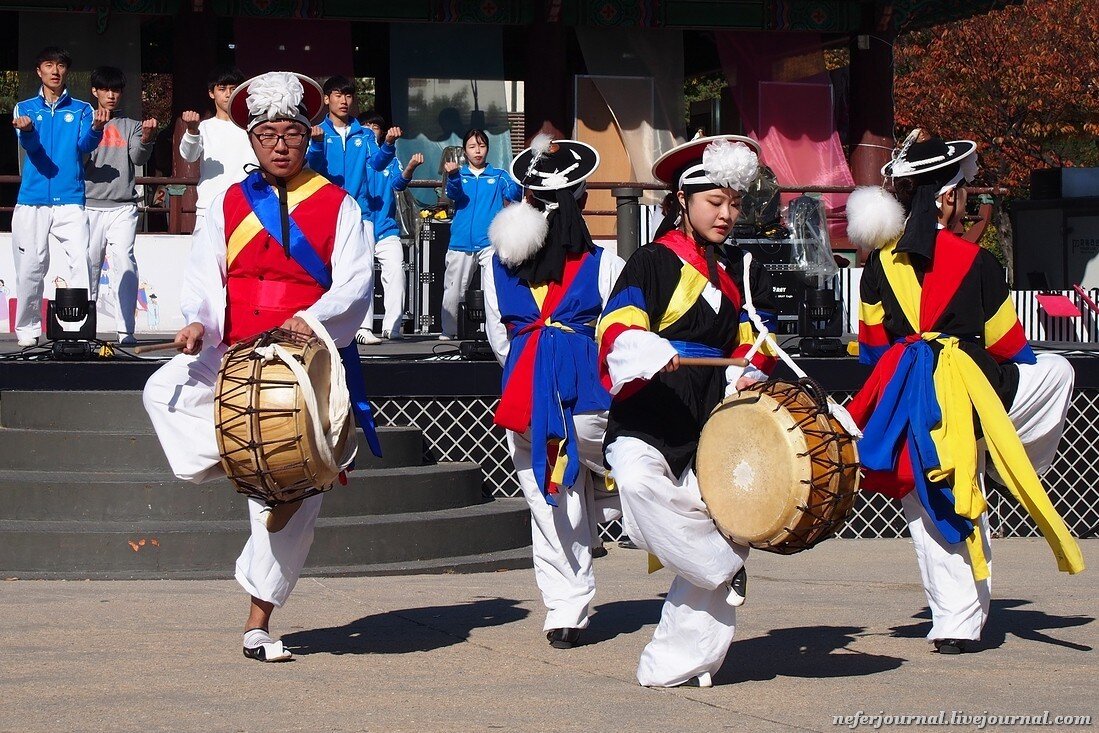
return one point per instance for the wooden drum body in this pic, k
(776, 471)
(265, 427)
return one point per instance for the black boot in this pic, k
(950, 646)
(563, 638)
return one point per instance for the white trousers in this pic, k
(31, 229)
(179, 398)
(389, 254)
(666, 516)
(562, 536)
(112, 234)
(959, 604)
(459, 273)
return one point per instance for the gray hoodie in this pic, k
(110, 171)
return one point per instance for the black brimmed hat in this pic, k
(558, 164)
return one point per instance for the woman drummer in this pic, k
(685, 294)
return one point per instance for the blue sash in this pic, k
(265, 204)
(693, 349)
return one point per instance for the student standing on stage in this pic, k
(382, 188)
(478, 191)
(544, 289)
(109, 177)
(55, 131)
(348, 154)
(936, 321)
(685, 295)
(222, 147)
(232, 293)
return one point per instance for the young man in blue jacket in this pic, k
(55, 131)
(346, 153)
(379, 204)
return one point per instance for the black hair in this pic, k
(366, 119)
(53, 53)
(340, 84)
(475, 134)
(108, 77)
(672, 210)
(224, 76)
(904, 188)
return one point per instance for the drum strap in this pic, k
(267, 210)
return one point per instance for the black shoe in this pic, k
(599, 551)
(738, 588)
(950, 646)
(563, 638)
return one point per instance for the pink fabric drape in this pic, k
(785, 100)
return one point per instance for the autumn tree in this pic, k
(1023, 81)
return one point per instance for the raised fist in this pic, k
(191, 119)
(392, 135)
(23, 124)
(317, 133)
(450, 166)
(100, 118)
(415, 161)
(148, 130)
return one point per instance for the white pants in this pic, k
(179, 398)
(459, 273)
(389, 254)
(563, 536)
(31, 229)
(112, 234)
(666, 516)
(959, 604)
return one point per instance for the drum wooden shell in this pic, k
(777, 472)
(264, 429)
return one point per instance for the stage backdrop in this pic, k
(161, 259)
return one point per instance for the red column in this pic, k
(871, 105)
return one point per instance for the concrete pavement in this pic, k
(831, 632)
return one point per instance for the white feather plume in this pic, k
(517, 233)
(730, 164)
(540, 144)
(874, 217)
(274, 95)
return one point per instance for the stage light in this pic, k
(819, 324)
(70, 323)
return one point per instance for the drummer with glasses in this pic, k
(683, 295)
(245, 278)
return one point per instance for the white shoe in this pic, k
(392, 335)
(28, 341)
(126, 339)
(738, 589)
(444, 337)
(366, 337)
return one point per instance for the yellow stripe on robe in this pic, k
(627, 315)
(687, 291)
(902, 279)
(539, 292)
(872, 314)
(747, 334)
(303, 185)
(1002, 321)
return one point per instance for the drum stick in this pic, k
(166, 346)
(711, 361)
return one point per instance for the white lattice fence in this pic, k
(461, 429)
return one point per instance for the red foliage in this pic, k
(1022, 81)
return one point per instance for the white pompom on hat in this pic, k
(276, 95)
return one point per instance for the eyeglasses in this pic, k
(269, 140)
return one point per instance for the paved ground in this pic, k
(832, 632)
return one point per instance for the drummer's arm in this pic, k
(343, 307)
(202, 296)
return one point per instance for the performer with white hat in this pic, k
(938, 325)
(249, 272)
(684, 294)
(546, 285)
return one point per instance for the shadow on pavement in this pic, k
(805, 651)
(621, 617)
(1007, 617)
(408, 630)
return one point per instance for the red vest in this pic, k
(263, 285)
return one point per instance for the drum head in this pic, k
(752, 471)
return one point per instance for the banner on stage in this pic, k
(161, 260)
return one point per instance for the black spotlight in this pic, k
(471, 328)
(70, 324)
(819, 324)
